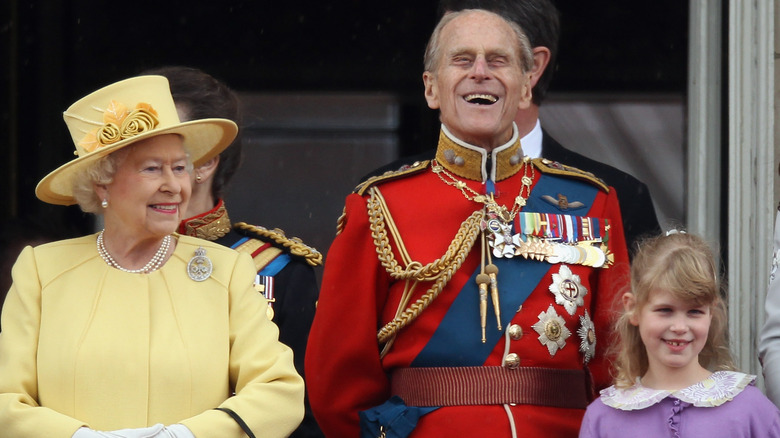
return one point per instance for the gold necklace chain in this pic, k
(489, 200)
(488, 276)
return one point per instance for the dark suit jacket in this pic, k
(636, 206)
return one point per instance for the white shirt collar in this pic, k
(532, 142)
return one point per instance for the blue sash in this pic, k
(274, 266)
(395, 419)
(460, 330)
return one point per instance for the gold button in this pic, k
(515, 332)
(512, 361)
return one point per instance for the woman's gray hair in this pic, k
(101, 172)
(432, 51)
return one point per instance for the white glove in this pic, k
(156, 431)
(85, 432)
(144, 432)
(175, 431)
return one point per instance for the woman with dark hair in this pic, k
(284, 266)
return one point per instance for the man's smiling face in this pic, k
(478, 84)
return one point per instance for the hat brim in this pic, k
(202, 139)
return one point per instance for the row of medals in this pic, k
(506, 245)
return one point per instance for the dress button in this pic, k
(515, 332)
(512, 361)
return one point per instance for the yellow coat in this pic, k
(86, 344)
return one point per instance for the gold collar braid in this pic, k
(477, 164)
(210, 226)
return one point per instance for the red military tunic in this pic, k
(421, 212)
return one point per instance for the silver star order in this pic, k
(587, 334)
(552, 330)
(568, 290)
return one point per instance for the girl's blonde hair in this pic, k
(684, 265)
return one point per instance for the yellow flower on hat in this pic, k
(119, 123)
(143, 118)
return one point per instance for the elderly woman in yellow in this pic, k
(137, 331)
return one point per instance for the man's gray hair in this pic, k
(432, 51)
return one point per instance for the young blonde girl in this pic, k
(675, 376)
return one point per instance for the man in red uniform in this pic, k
(470, 295)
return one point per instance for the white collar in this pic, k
(532, 142)
(720, 387)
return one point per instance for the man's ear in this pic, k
(629, 305)
(526, 93)
(542, 58)
(431, 90)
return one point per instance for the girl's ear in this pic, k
(629, 302)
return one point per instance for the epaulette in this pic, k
(277, 238)
(391, 175)
(556, 168)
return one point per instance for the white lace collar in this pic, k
(720, 387)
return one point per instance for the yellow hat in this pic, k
(124, 113)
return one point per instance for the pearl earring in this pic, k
(104, 204)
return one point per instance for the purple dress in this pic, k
(724, 405)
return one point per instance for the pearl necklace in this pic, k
(151, 266)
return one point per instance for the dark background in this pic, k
(54, 52)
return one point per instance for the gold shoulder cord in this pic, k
(293, 244)
(341, 222)
(440, 270)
